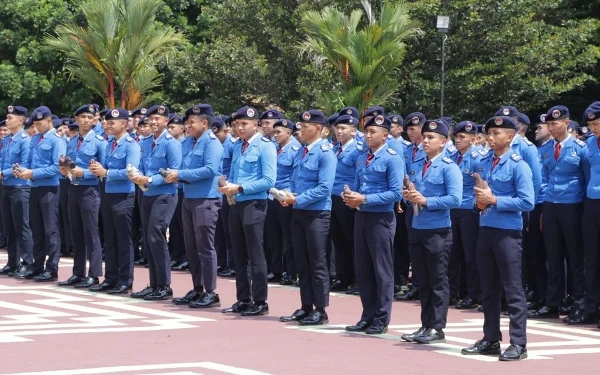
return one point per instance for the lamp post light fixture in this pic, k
(442, 26)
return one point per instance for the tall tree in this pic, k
(116, 52)
(365, 54)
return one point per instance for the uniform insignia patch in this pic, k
(391, 151)
(528, 142)
(265, 139)
(515, 157)
(452, 148)
(584, 129)
(23, 135)
(295, 148)
(129, 139)
(168, 136)
(212, 135)
(555, 113)
(390, 136)
(412, 172)
(325, 147)
(101, 138)
(581, 143)
(11, 109)
(506, 112)
(379, 120)
(483, 152)
(447, 160)
(406, 143)
(306, 116)
(474, 154)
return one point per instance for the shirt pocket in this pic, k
(250, 163)
(309, 171)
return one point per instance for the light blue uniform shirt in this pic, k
(202, 167)
(345, 172)
(44, 154)
(115, 162)
(167, 154)
(92, 147)
(15, 149)
(285, 164)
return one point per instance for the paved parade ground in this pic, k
(49, 330)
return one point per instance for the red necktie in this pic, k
(10, 141)
(105, 137)
(557, 149)
(370, 158)
(279, 150)
(415, 149)
(426, 167)
(194, 141)
(137, 139)
(495, 163)
(339, 151)
(114, 146)
(41, 139)
(153, 145)
(79, 142)
(304, 152)
(460, 157)
(244, 146)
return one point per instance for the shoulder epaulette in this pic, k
(483, 152)
(265, 139)
(325, 147)
(474, 154)
(359, 146)
(516, 157)
(447, 160)
(580, 142)
(100, 138)
(406, 143)
(23, 135)
(295, 148)
(129, 139)
(391, 151)
(168, 136)
(528, 142)
(452, 149)
(390, 136)
(212, 135)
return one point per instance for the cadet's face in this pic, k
(222, 134)
(433, 143)
(541, 132)
(463, 141)
(414, 133)
(267, 126)
(395, 130)
(43, 125)
(14, 122)
(144, 129)
(298, 135)
(176, 130)
(325, 132)
(3, 131)
(85, 121)
(310, 132)
(130, 124)
(136, 121)
(558, 128)
(196, 126)
(344, 133)
(595, 127)
(499, 139)
(375, 137)
(62, 130)
(282, 135)
(246, 128)
(481, 139)
(115, 127)
(157, 124)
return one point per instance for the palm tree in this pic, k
(366, 55)
(116, 53)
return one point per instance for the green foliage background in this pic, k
(529, 53)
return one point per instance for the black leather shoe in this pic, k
(534, 305)
(237, 307)
(142, 293)
(338, 286)
(45, 277)
(274, 277)
(227, 273)
(544, 312)
(566, 305)
(376, 329)
(190, 296)
(20, 269)
(453, 301)
(580, 317)
(431, 336)
(87, 282)
(26, 275)
(514, 353)
(6, 270)
(119, 289)
(466, 304)
(160, 294)
(480, 308)
(483, 348)
(353, 290)
(209, 299)
(70, 281)
(287, 280)
(315, 318)
(183, 266)
(410, 337)
(411, 294)
(102, 287)
(295, 317)
(359, 327)
(256, 310)
(141, 262)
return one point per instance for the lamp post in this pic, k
(442, 26)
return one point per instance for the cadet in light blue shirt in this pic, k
(438, 184)
(16, 193)
(117, 203)
(565, 163)
(499, 246)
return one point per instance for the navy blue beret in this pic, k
(352, 111)
(176, 120)
(592, 112)
(540, 119)
(55, 117)
(28, 122)
(199, 110)
(374, 111)
(480, 129)
(379, 120)
(504, 122)
(67, 121)
(285, 123)
(346, 120)
(158, 110)
(245, 113)
(96, 106)
(446, 120)
(465, 127)
(272, 114)
(139, 111)
(396, 119)
(415, 118)
(332, 119)
(573, 125)
(41, 113)
(217, 124)
(87, 108)
(56, 123)
(313, 116)
(557, 112)
(116, 114)
(435, 126)
(523, 119)
(584, 131)
(508, 110)
(104, 112)
(2, 123)
(143, 120)
(17, 111)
